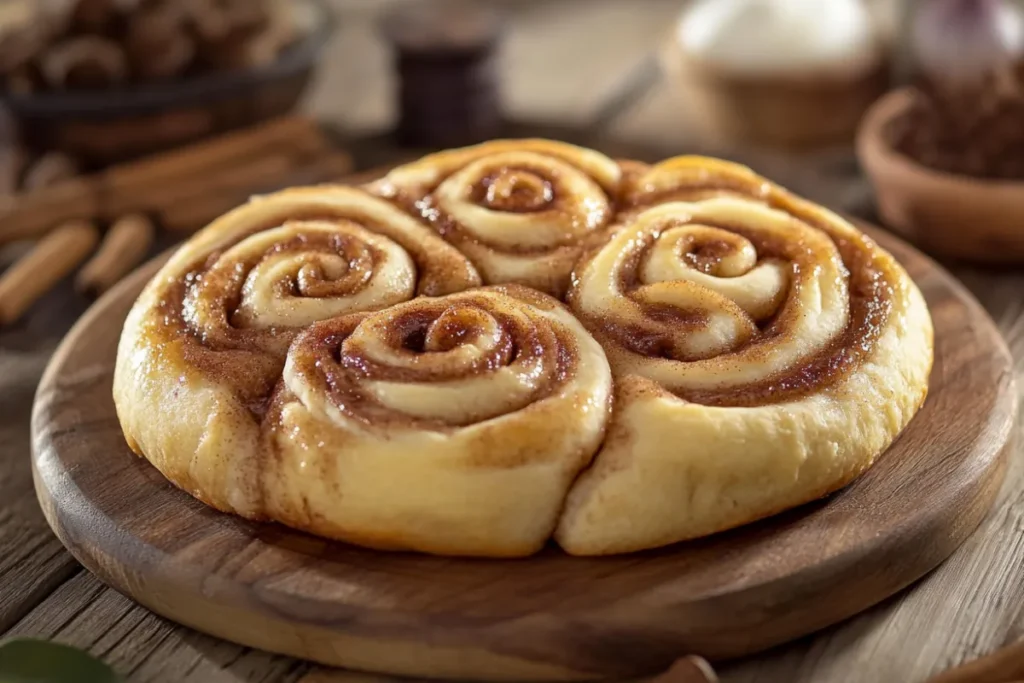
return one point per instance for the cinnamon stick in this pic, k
(31, 215)
(123, 247)
(37, 272)
(134, 182)
(153, 185)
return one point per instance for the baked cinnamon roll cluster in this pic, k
(522, 211)
(524, 340)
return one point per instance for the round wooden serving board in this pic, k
(550, 616)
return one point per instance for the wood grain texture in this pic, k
(141, 646)
(32, 561)
(551, 616)
(968, 607)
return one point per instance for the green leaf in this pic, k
(25, 660)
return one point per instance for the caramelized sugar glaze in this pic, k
(324, 325)
(732, 303)
(273, 267)
(471, 357)
(521, 211)
(527, 212)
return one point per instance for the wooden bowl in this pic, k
(791, 113)
(108, 126)
(949, 215)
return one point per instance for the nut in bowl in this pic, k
(951, 215)
(105, 81)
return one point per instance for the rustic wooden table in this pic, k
(971, 605)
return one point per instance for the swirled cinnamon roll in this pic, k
(765, 353)
(206, 340)
(329, 357)
(451, 425)
(522, 210)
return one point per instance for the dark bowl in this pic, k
(103, 127)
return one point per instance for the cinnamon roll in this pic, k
(330, 358)
(206, 340)
(451, 425)
(765, 353)
(521, 210)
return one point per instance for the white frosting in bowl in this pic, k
(779, 37)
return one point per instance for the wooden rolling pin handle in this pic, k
(125, 245)
(54, 257)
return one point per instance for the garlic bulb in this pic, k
(960, 42)
(780, 37)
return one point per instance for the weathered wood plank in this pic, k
(140, 645)
(32, 561)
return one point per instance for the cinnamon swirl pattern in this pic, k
(205, 344)
(765, 352)
(522, 211)
(449, 425)
(330, 358)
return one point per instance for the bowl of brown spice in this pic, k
(946, 156)
(958, 201)
(108, 80)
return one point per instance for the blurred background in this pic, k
(560, 61)
(155, 116)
